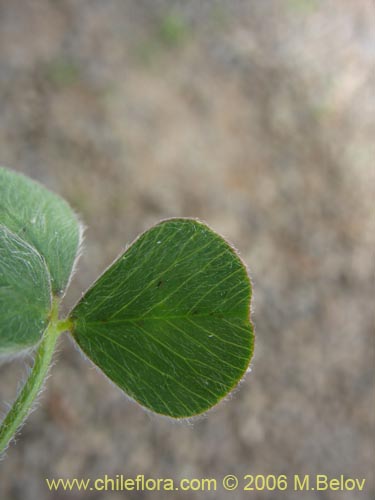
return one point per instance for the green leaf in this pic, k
(42, 219)
(168, 322)
(25, 293)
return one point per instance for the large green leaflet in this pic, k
(42, 219)
(169, 322)
(25, 293)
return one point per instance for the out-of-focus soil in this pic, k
(258, 118)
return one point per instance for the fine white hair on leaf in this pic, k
(151, 414)
(190, 421)
(81, 238)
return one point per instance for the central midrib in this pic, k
(166, 318)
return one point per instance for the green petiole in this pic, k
(24, 401)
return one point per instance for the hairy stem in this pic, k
(25, 399)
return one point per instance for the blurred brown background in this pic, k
(258, 118)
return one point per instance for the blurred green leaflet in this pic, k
(25, 293)
(42, 219)
(168, 321)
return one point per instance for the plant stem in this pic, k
(24, 401)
